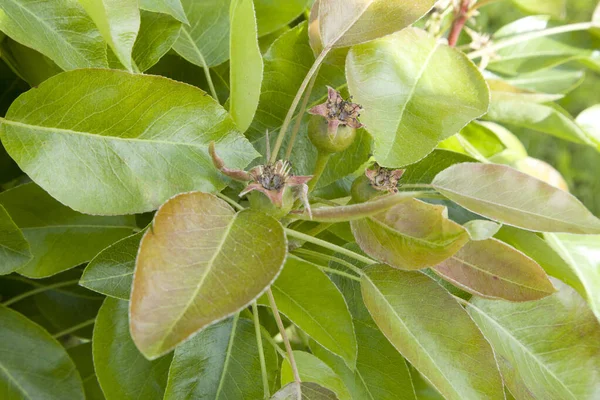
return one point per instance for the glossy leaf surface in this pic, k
(158, 33)
(169, 7)
(127, 142)
(589, 120)
(553, 343)
(14, 248)
(492, 269)
(348, 22)
(308, 298)
(60, 29)
(219, 363)
(410, 235)
(309, 390)
(246, 65)
(33, 364)
(582, 255)
(206, 41)
(123, 372)
(111, 271)
(415, 92)
(273, 15)
(60, 238)
(416, 315)
(198, 264)
(514, 198)
(311, 369)
(119, 22)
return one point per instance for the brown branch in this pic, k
(460, 19)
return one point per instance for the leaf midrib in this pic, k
(16, 382)
(526, 350)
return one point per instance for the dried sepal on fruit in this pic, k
(375, 182)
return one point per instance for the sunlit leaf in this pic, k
(123, 372)
(514, 198)
(30, 65)
(348, 22)
(582, 254)
(169, 7)
(311, 369)
(480, 229)
(246, 64)
(492, 269)
(111, 271)
(553, 343)
(206, 41)
(273, 15)
(221, 362)
(126, 142)
(411, 235)
(60, 29)
(309, 299)
(33, 364)
(543, 171)
(426, 169)
(555, 8)
(158, 33)
(14, 248)
(415, 92)
(119, 22)
(309, 391)
(60, 238)
(558, 80)
(199, 263)
(432, 331)
(589, 120)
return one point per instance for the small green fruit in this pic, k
(362, 190)
(328, 142)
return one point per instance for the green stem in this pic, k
(357, 211)
(286, 342)
(327, 257)
(322, 160)
(261, 352)
(39, 290)
(204, 66)
(290, 113)
(278, 349)
(296, 127)
(74, 328)
(229, 200)
(582, 26)
(330, 246)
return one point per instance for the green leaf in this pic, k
(246, 64)
(489, 268)
(60, 238)
(345, 23)
(30, 65)
(413, 98)
(126, 142)
(480, 229)
(60, 30)
(122, 370)
(169, 7)
(158, 33)
(543, 52)
(274, 15)
(556, 80)
(206, 42)
(555, 8)
(311, 369)
(309, 390)
(426, 169)
(310, 300)
(199, 263)
(82, 357)
(14, 248)
(410, 235)
(119, 22)
(111, 271)
(589, 120)
(551, 343)
(221, 362)
(535, 247)
(514, 198)
(520, 110)
(33, 364)
(582, 255)
(433, 332)
(494, 142)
